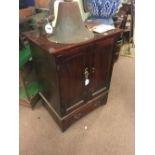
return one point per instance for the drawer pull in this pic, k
(77, 116)
(97, 103)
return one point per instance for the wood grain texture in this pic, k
(62, 72)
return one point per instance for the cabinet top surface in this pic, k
(54, 48)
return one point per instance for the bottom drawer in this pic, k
(66, 121)
(83, 110)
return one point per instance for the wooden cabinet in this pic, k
(102, 62)
(75, 77)
(71, 73)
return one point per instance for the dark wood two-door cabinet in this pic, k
(75, 77)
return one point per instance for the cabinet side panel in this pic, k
(46, 71)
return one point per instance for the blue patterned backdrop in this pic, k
(103, 8)
(26, 3)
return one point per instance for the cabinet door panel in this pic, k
(71, 76)
(101, 67)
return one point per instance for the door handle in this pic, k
(86, 74)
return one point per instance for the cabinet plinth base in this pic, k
(67, 120)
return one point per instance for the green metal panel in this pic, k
(32, 89)
(24, 56)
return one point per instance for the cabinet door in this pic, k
(72, 68)
(102, 66)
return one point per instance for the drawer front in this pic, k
(85, 109)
